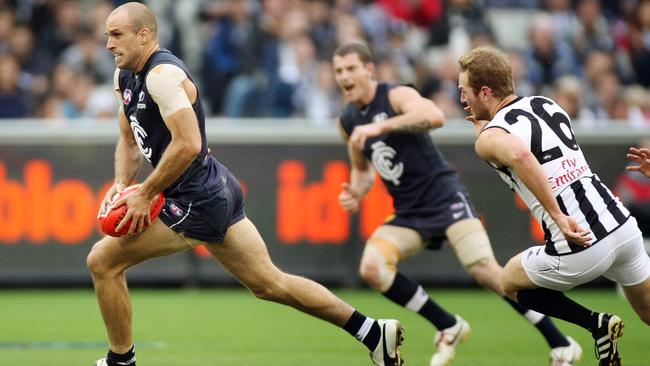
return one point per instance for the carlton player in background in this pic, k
(161, 120)
(588, 232)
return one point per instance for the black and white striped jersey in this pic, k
(546, 129)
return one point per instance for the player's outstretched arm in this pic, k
(414, 114)
(641, 156)
(505, 149)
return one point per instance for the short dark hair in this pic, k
(361, 49)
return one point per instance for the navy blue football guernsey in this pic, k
(205, 174)
(410, 165)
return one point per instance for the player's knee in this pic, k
(378, 268)
(94, 262)
(512, 295)
(99, 264)
(479, 271)
(508, 287)
(270, 288)
(644, 313)
(369, 272)
(264, 293)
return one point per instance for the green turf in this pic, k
(230, 327)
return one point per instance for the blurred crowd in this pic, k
(272, 58)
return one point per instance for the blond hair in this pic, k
(488, 66)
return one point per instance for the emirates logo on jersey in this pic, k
(126, 96)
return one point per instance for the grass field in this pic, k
(230, 327)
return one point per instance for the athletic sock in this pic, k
(126, 359)
(553, 336)
(364, 329)
(558, 305)
(408, 293)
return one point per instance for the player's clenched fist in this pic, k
(349, 198)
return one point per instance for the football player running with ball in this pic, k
(530, 143)
(161, 120)
(387, 127)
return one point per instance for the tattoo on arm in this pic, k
(421, 126)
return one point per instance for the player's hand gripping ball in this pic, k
(111, 217)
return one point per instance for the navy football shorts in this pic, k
(431, 222)
(206, 217)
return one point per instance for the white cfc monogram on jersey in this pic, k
(140, 135)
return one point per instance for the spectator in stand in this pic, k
(87, 55)
(462, 20)
(322, 30)
(596, 65)
(92, 100)
(59, 23)
(295, 54)
(562, 17)
(7, 24)
(637, 100)
(33, 64)
(14, 102)
(63, 87)
(317, 97)
(244, 95)
(568, 95)
(609, 104)
(546, 57)
(639, 35)
(519, 73)
(447, 95)
(590, 30)
(231, 50)
(348, 28)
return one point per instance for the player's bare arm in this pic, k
(414, 114)
(505, 149)
(128, 159)
(362, 177)
(641, 156)
(172, 92)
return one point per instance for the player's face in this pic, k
(471, 101)
(123, 41)
(352, 77)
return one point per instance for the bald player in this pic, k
(161, 120)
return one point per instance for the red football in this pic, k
(110, 219)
